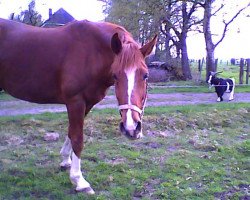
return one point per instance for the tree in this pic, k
(137, 16)
(134, 15)
(29, 16)
(210, 45)
(174, 19)
(181, 21)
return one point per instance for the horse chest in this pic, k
(94, 96)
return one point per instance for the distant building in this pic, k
(59, 18)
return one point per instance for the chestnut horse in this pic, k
(75, 65)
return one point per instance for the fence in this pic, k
(244, 66)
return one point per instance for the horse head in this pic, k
(130, 74)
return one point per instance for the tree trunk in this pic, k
(183, 38)
(210, 61)
(184, 58)
(157, 53)
(210, 64)
(167, 49)
(168, 36)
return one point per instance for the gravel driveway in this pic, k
(18, 107)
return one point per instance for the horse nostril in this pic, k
(138, 127)
(122, 128)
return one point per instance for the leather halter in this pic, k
(134, 107)
(131, 107)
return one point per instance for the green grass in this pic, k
(188, 152)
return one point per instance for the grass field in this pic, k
(188, 152)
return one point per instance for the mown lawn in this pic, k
(188, 152)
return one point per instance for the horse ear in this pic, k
(148, 48)
(116, 44)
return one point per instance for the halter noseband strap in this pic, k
(132, 107)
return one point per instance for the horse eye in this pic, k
(145, 76)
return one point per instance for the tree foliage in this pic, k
(171, 19)
(138, 16)
(29, 16)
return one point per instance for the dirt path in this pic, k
(18, 107)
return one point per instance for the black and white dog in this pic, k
(221, 85)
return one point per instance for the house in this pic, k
(58, 18)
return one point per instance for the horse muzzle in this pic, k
(132, 134)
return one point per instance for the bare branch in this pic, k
(198, 3)
(191, 11)
(226, 24)
(195, 23)
(221, 6)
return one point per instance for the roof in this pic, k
(59, 18)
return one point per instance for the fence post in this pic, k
(199, 65)
(199, 68)
(241, 71)
(247, 70)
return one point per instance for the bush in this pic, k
(162, 72)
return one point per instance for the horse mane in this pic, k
(130, 56)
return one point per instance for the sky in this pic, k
(79, 9)
(235, 45)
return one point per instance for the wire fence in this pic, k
(192, 86)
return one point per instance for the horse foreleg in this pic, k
(76, 176)
(66, 152)
(76, 112)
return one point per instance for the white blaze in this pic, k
(130, 73)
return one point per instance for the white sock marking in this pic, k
(231, 97)
(76, 174)
(66, 152)
(228, 85)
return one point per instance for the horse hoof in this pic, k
(87, 190)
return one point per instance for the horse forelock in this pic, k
(130, 57)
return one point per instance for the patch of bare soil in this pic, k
(18, 107)
(244, 188)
